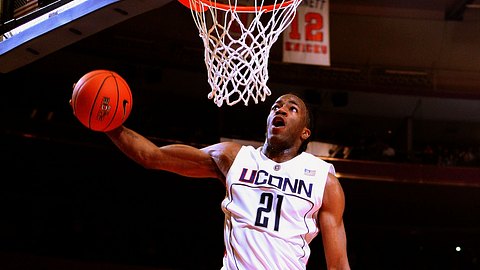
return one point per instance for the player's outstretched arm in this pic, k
(332, 226)
(177, 158)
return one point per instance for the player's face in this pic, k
(287, 119)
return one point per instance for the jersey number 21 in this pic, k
(264, 211)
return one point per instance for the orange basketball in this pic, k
(101, 100)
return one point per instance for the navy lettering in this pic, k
(244, 172)
(302, 186)
(263, 180)
(262, 177)
(286, 182)
(279, 180)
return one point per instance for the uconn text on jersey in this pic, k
(262, 177)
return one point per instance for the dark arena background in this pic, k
(403, 74)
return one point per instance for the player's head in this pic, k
(290, 121)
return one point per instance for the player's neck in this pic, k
(279, 154)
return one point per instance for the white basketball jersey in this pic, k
(271, 210)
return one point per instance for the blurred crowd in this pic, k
(431, 154)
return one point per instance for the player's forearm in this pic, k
(335, 245)
(177, 158)
(132, 144)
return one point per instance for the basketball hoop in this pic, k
(237, 41)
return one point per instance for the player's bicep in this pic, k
(223, 155)
(333, 203)
(184, 160)
(331, 222)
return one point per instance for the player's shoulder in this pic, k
(222, 148)
(310, 156)
(232, 146)
(318, 161)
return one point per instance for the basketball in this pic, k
(101, 100)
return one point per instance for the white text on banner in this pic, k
(306, 40)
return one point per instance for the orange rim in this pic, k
(210, 3)
(198, 8)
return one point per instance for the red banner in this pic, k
(306, 40)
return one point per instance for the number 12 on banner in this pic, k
(306, 40)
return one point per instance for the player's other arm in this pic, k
(332, 226)
(177, 158)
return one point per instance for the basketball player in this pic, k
(278, 197)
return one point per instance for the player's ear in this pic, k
(306, 133)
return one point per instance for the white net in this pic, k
(237, 42)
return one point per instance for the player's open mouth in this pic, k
(278, 122)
